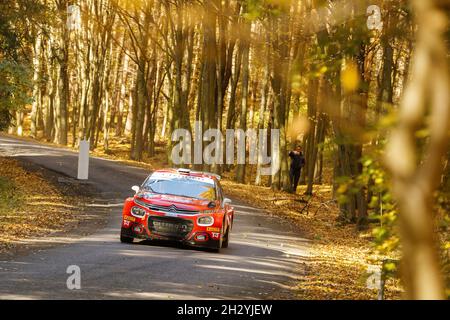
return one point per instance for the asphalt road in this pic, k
(264, 259)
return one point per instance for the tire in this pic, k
(227, 238)
(220, 245)
(125, 239)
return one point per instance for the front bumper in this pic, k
(171, 229)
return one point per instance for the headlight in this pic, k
(205, 221)
(138, 212)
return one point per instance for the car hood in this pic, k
(167, 200)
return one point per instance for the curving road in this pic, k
(263, 261)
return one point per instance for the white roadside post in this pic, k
(375, 280)
(83, 160)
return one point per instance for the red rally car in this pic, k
(180, 205)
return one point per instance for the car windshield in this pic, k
(182, 186)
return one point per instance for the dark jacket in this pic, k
(298, 160)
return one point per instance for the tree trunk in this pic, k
(245, 42)
(36, 105)
(311, 146)
(63, 76)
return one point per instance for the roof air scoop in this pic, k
(184, 171)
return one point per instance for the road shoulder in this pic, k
(43, 208)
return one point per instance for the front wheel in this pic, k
(125, 239)
(221, 240)
(226, 238)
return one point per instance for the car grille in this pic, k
(170, 226)
(171, 208)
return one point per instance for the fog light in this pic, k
(138, 229)
(201, 237)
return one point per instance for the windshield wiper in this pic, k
(148, 188)
(182, 195)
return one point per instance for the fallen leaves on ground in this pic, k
(30, 205)
(339, 257)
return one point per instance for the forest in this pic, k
(362, 86)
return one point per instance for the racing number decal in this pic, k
(215, 235)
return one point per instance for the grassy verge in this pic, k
(9, 197)
(32, 206)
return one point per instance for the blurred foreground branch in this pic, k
(415, 181)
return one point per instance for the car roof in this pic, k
(188, 172)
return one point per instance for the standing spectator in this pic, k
(297, 163)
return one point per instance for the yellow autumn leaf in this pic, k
(350, 77)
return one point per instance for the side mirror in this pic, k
(135, 189)
(212, 204)
(226, 201)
